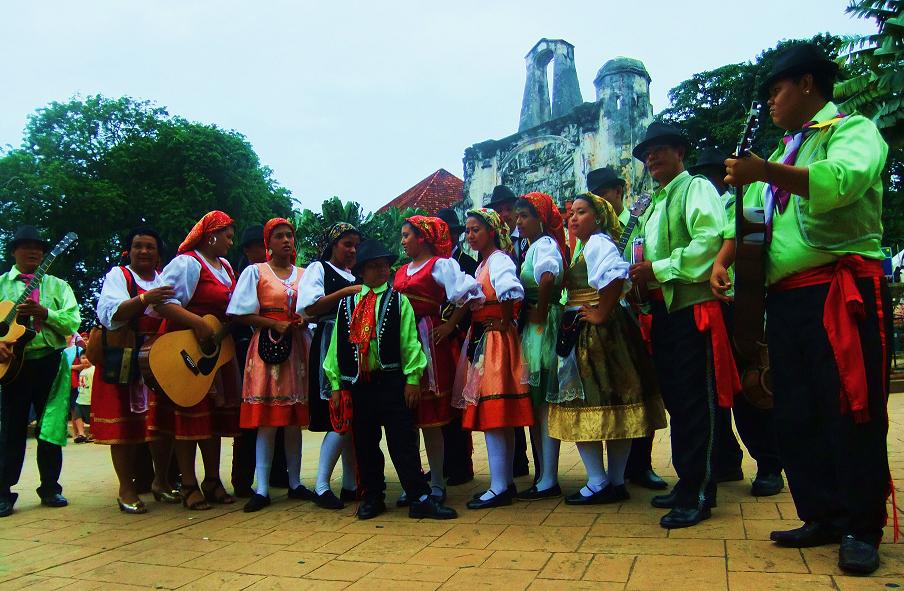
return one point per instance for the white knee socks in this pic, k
(433, 444)
(549, 448)
(292, 444)
(500, 462)
(329, 454)
(591, 453)
(263, 458)
(617, 452)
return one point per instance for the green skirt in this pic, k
(538, 345)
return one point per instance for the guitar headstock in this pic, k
(751, 125)
(61, 246)
(640, 205)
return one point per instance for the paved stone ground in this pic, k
(294, 545)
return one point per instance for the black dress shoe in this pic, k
(607, 495)
(242, 492)
(857, 557)
(649, 479)
(459, 479)
(403, 500)
(328, 501)
(54, 500)
(431, 508)
(511, 490)
(730, 476)
(301, 493)
(7, 503)
(256, 503)
(809, 535)
(370, 508)
(498, 500)
(767, 485)
(680, 517)
(347, 495)
(532, 494)
(441, 497)
(667, 501)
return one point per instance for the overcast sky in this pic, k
(364, 99)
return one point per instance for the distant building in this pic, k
(560, 140)
(440, 189)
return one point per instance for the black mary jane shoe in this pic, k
(348, 495)
(809, 535)
(256, 503)
(370, 508)
(649, 480)
(328, 501)
(54, 500)
(857, 557)
(767, 485)
(301, 493)
(680, 517)
(431, 508)
(6, 504)
(605, 496)
(511, 490)
(532, 494)
(497, 500)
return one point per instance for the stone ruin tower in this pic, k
(560, 138)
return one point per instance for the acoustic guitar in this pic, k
(12, 329)
(177, 365)
(637, 209)
(750, 285)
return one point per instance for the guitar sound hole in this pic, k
(4, 329)
(208, 348)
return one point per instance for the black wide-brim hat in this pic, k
(603, 178)
(501, 196)
(448, 215)
(370, 250)
(252, 234)
(708, 158)
(26, 234)
(659, 134)
(803, 58)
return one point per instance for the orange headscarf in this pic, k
(268, 229)
(213, 221)
(435, 232)
(549, 215)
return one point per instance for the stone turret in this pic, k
(623, 89)
(566, 92)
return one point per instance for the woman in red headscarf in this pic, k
(275, 390)
(542, 275)
(430, 280)
(203, 282)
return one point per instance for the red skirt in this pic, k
(112, 419)
(435, 406)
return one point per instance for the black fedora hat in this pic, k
(659, 134)
(26, 234)
(802, 58)
(370, 250)
(708, 158)
(501, 196)
(252, 234)
(448, 215)
(603, 178)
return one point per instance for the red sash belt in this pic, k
(841, 314)
(708, 316)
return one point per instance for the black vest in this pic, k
(332, 282)
(389, 336)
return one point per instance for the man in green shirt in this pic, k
(376, 355)
(682, 234)
(828, 309)
(53, 313)
(605, 183)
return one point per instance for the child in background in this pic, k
(82, 410)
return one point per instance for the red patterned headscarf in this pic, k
(549, 215)
(435, 232)
(213, 221)
(268, 229)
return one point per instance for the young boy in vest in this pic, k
(375, 354)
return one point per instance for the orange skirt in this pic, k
(276, 395)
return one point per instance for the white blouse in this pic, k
(604, 263)
(460, 287)
(183, 273)
(546, 258)
(503, 276)
(310, 288)
(244, 297)
(115, 291)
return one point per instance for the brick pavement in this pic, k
(294, 545)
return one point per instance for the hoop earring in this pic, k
(212, 241)
(269, 252)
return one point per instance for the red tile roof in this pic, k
(440, 189)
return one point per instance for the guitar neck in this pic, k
(626, 234)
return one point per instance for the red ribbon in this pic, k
(708, 316)
(362, 329)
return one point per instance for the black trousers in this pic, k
(31, 387)
(380, 402)
(457, 451)
(683, 360)
(641, 457)
(837, 469)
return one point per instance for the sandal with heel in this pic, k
(216, 493)
(187, 491)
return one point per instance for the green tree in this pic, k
(100, 166)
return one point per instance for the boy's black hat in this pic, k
(370, 250)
